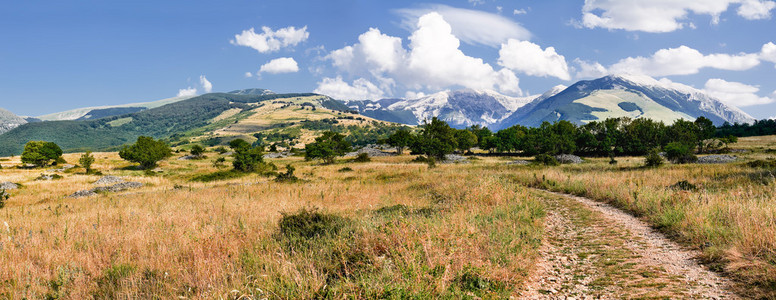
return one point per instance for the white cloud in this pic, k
(519, 12)
(589, 69)
(736, 93)
(206, 85)
(280, 65)
(529, 58)
(476, 2)
(270, 41)
(190, 91)
(361, 89)
(470, 26)
(432, 61)
(663, 16)
(414, 95)
(768, 52)
(683, 61)
(756, 9)
(248, 74)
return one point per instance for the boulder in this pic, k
(519, 162)
(717, 159)
(8, 185)
(568, 159)
(106, 180)
(372, 151)
(82, 193)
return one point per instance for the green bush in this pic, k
(288, 176)
(246, 158)
(345, 169)
(546, 160)
(197, 150)
(362, 157)
(765, 164)
(327, 147)
(306, 225)
(146, 151)
(220, 175)
(680, 153)
(683, 185)
(653, 159)
(41, 153)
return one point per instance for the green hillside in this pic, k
(112, 132)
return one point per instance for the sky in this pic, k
(60, 55)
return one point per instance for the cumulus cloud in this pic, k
(269, 40)
(360, 89)
(248, 74)
(206, 85)
(768, 53)
(756, 9)
(280, 65)
(589, 69)
(190, 91)
(432, 61)
(519, 12)
(663, 16)
(736, 93)
(529, 58)
(683, 61)
(472, 27)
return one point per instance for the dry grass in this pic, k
(731, 217)
(461, 230)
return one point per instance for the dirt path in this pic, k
(595, 251)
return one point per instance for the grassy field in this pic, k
(388, 228)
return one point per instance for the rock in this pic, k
(227, 153)
(277, 154)
(454, 159)
(717, 159)
(519, 162)
(8, 185)
(82, 193)
(63, 168)
(371, 150)
(48, 177)
(118, 187)
(105, 180)
(568, 159)
(188, 157)
(121, 186)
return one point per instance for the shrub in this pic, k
(86, 161)
(546, 160)
(197, 150)
(3, 197)
(306, 225)
(288, 176)
(345, 169)
(146, 151)
(683, 185)
(40, 153)
(679, 153)
(765, 164)
(220, 175)
(362, 157)
(246, 158)
(219, 162)
(221, 150)
(653, 159)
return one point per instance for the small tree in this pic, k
(86, 161)
(680, 153)
(400, 139)
(146, 151)
(197, 151)
(40, 153)
(437, 139)
(465, 140)
(246, 158)
(219, 162)
(327, 147)
(653, 159)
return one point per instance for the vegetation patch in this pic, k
(110, 284)
(219, 175)
(683, 185)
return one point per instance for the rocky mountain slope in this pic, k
(9, 120)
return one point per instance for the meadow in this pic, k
(382, 229)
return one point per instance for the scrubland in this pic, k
(383, 229)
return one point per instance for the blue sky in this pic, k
(59, 55)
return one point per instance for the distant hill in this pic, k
(97, 112)
(628, 96)
(9, 120)
(254, 91)
(212, 119)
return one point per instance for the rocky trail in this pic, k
(595, 251)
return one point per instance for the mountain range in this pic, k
(584, 101)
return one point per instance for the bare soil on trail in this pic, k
(595, 251)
